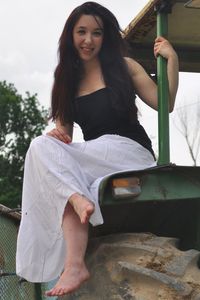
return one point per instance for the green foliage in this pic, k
(21, 119)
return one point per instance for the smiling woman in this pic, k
(88, 37)
(94, 86)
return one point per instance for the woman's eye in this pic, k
(97, 33)
(81, 32)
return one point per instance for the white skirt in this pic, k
(53, 172)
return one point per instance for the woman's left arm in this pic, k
(145, 86)
(164, 48)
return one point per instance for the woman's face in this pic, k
(88, 37)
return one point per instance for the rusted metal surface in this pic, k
(12, 213)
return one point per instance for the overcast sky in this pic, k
(29, 33)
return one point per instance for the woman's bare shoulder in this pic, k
(133, 65)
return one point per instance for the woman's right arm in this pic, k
(63, 133)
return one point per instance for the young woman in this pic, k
(94, 86)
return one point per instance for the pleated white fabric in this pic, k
(53, 172)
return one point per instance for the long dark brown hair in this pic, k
(69, 69)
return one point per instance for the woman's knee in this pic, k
(37, 142)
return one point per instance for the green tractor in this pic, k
(148, 247)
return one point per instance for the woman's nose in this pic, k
(88, 38)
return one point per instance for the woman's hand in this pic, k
(60, 134)
(164, 48)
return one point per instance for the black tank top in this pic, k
(96, 116)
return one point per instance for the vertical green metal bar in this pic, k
(38, 291)
(163, 95)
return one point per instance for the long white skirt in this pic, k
(53, 172)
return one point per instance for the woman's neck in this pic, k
(92, 78)
(91, 66)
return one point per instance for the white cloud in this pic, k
(12, 63)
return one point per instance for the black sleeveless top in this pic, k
(96, 116)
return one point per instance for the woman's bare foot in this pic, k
(82, 206)
(70, 280)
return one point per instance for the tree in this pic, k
(21, 119)
(188, 125)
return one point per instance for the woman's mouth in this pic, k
(87, 50)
